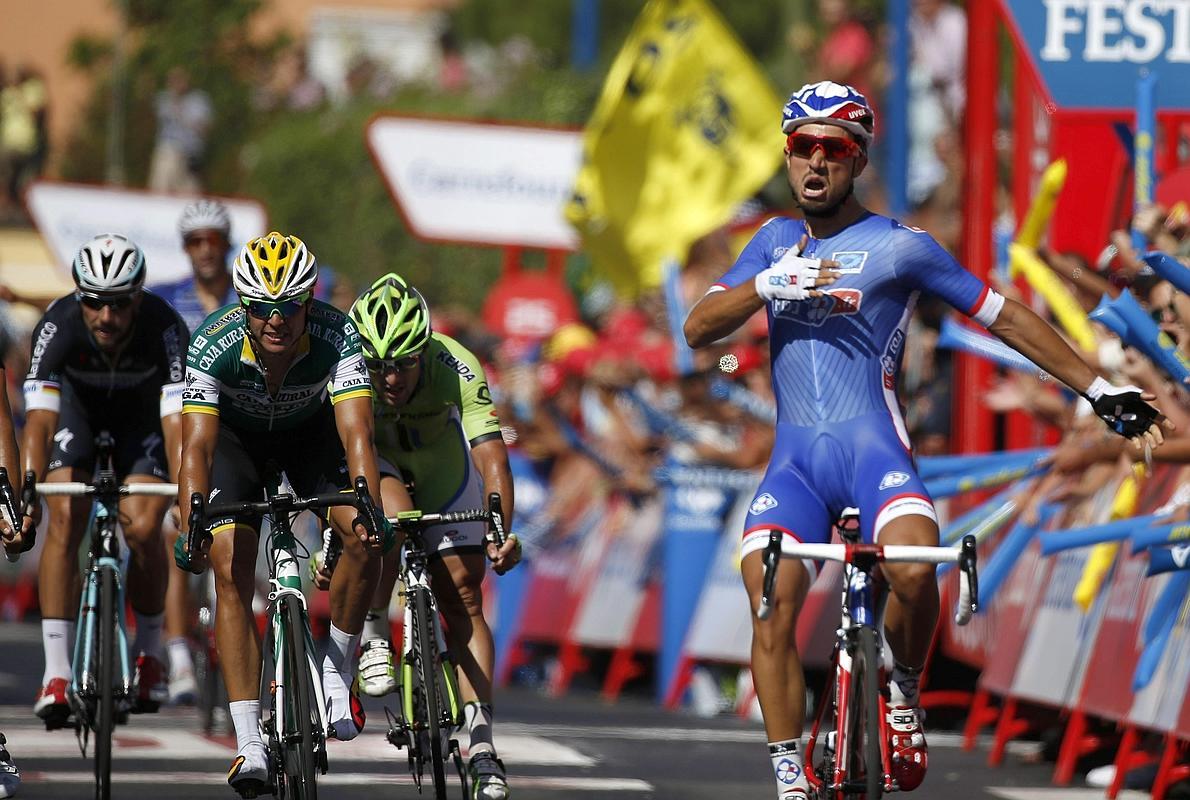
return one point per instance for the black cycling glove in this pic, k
(1121, 407)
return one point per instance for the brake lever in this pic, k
(772, 558)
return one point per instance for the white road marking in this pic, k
(331, 779)
(1060, 794)
(156, 744)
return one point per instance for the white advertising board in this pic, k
(67, 214)
(479, 182)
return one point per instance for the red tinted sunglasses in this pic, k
(834, 148)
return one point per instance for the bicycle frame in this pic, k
(99, 610)
(285, 580)
(860, 632)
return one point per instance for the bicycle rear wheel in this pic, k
(298, 739)
(427, 674)
(106, 705)
(863, 716)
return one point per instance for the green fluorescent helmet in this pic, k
(392, 317)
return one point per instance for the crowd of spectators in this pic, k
(23, 139)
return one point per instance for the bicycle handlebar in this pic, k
(416, 520)
(964, 555)
(73, 488)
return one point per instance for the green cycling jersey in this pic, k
(224, 377)
(429, 438)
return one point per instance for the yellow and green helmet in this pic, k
(392, 317)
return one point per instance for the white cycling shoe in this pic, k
(377, 673)
(344, 711)
(487, 777)
(249, 773)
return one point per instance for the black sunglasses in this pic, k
(97, 303)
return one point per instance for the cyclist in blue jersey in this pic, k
(205, 228)
(838, 287)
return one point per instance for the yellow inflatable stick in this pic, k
(1103, 555)
(1069, 313)
(1042, 208)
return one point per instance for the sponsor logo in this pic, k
(1181, 555)
(763, 503)
(214, 492)
(788, 772)
(464, 371)
(43, 340)
(218, 325)
(851, 262)
(891, 357)
(817, 310)
(892, 480)
(63, 439)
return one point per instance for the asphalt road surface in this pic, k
(576, 746)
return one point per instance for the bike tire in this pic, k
(427, 672)
(303, 783)
(864, 714)
(105, 716)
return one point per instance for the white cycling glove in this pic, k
(791, 278)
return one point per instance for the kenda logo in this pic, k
(1135, 31)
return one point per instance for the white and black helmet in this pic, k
(205, 215)
(109, 264)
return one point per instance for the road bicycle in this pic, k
(101, 676)
(431, 708)
(851, 723)
(293, 718)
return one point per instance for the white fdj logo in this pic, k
(891, 480)
(763, 503)
(788, 772)
(851, 262)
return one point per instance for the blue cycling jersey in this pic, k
(183, 298)
(836, 357)
(835, 360)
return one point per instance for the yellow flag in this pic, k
(686, 128)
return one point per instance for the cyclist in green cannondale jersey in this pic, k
(436, 430)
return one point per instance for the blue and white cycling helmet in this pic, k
(829, 103)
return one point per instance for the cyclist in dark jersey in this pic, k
(107, 357)
(838, 288)
(10, 776)
(278, 377)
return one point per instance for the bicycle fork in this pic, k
(83, 683)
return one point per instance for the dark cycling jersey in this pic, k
(224, 378)
(146, 375)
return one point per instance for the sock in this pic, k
(341, 652)
(478, 717)
(903, 686)
(376, 624)
(245, 716)
(180, 660)
(787, 766)
(148, 633)
(57, 639)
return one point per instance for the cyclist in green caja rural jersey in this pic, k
(278, 380)
(436, 429)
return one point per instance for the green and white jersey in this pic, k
(430, 438)
(224, 378)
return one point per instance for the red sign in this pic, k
(528, 305)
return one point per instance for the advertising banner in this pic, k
(68, 214)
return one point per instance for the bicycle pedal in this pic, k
(55, 722)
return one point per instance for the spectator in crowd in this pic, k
(937, 77)
(184, 116)
(452, 68)
(22, 132)
(846, 51)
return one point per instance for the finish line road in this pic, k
(575, 746)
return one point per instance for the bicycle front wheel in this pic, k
(864, 763)
(427, 672)
(298, 739)
(105, 683)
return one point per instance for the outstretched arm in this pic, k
(1018, 327)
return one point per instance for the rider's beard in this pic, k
(824, 212)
